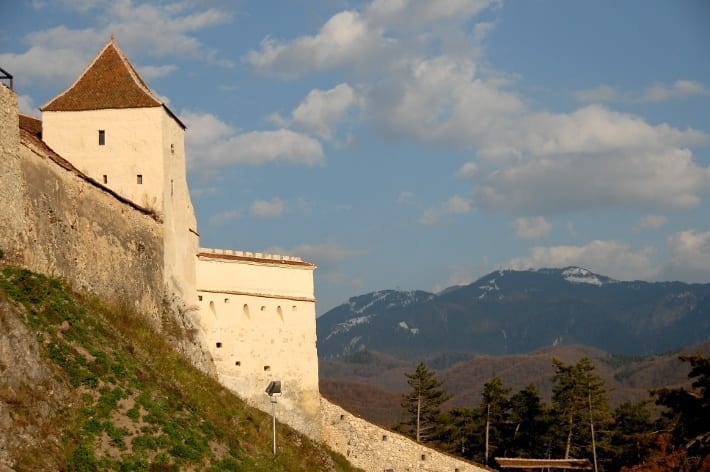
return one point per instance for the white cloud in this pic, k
(468, 170)
(611, 258)
(60, 53)
(27, 106)
(591, 158)
(383, 33)
(650, 222)
(267, 208)
(678, 90)
(224, 217)
(155, 72)
(453, 206)
(531, 228)
(320, 111)
(690, 257)
(212, 143)
(345, 38)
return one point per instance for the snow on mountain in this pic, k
(578, 275)
(346, 326)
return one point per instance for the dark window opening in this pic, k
(219, 345)
(105, 178)
(102, 137)
(199, 297)
(267, 368)
(139, 179)
(238, 363)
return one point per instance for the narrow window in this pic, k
(384, 437)
(219, 345)
(139, 179)
(423, 457)
(238, 363)
(226, 300)
(105, 178)
(342, 417)
(172, 188)
(263, 308)
(172, 149)
(267, 368)
(102, 137)
(199, 297)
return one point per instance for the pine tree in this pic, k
(689, 411)
(580, 406)
(530, 423)
(423, 405)
(494, 409)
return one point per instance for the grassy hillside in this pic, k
(94, 388)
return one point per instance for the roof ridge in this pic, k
(135, 77)
(132, 71)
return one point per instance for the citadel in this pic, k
(96, 192)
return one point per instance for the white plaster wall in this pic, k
(265, 278)
(134, 145)
(180, 224)
(263, 338)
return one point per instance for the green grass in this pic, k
(141, 406)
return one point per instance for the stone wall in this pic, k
(55, 221)
(373, 448)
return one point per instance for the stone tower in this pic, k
(113, 128)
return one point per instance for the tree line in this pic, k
(576, 423)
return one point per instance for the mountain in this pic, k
(513, 312)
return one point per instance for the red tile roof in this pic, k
(110, 81)
(31, 124)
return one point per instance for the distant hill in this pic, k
(355, 380)
(515, 312)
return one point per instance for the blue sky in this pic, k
(418, 144)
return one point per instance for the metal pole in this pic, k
(273, 420)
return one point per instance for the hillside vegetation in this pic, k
(89, 387)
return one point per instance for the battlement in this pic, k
(246, 256)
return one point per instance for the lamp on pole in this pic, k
(272, 389)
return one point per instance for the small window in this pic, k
(139, 179)
(226, 300)
(102, 137)
(263, 308)
(294, 308)
(172, 149)
(219, 345)
(105, 178)
(267, 368)
(384, 437)
(238, 363)
(342, 417)
(423, 457)
(199, 297)
(172, 188)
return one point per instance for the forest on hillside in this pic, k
(668, 432)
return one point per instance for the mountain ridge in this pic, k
(517, 311)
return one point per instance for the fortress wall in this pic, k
(255, 338)
(55, 222)
(10, 188)
(371, 447)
